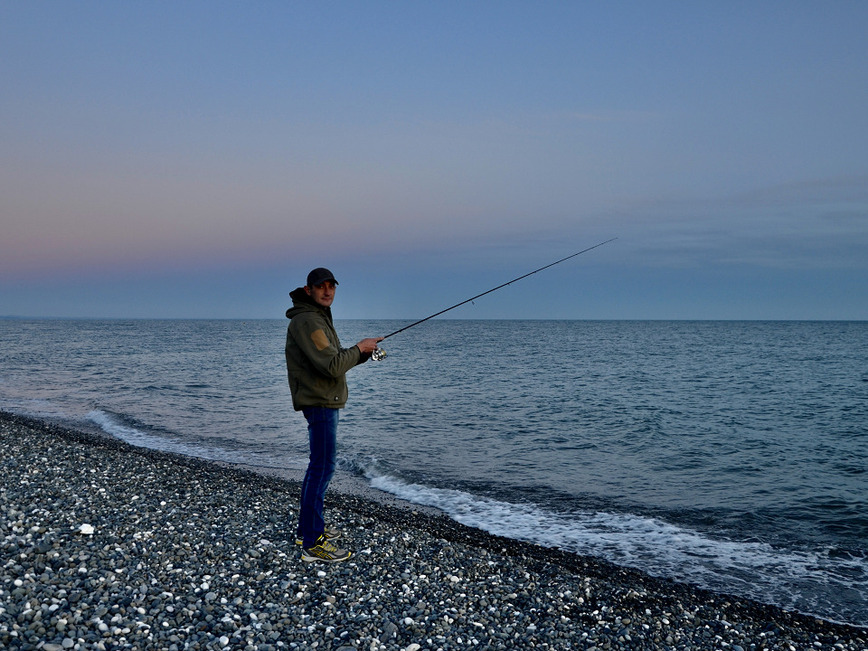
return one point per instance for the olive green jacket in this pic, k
(316, 364)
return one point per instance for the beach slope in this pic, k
(108, 546)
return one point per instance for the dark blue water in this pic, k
(733, 455)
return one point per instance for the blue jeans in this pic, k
(322, 428)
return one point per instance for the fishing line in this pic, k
(380, 354)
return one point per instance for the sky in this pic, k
(196, 159)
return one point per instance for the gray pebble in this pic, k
(189, 555)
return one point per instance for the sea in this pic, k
(730, 455)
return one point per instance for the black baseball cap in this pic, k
(319, 275)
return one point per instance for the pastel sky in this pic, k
(197, 159)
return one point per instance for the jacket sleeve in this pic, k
(324, 353)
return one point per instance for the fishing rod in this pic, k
(380, 354)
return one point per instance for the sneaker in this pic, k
(323, 550)
(330, 533)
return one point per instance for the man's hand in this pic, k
(368, 346)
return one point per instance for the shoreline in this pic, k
(341, 483)
(193, 554)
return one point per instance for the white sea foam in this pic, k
(35, 407)
(113, 425)
(754, 569)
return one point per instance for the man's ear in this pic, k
(307, 289)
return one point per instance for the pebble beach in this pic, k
(108, 546)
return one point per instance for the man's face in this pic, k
(322, 294)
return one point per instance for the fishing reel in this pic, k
(378, 355)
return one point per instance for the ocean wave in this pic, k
(808, 581)
(121, 428)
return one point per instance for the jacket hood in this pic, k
(301, 302)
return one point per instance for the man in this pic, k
(316, 366)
